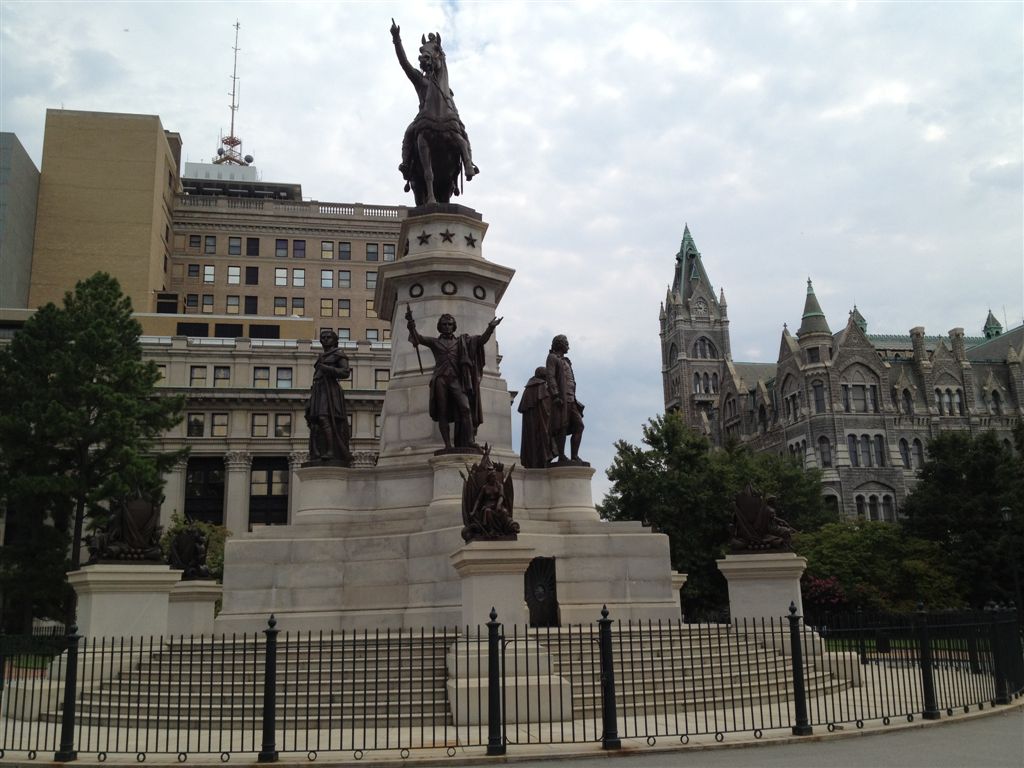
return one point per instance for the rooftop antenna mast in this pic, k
(230, 150)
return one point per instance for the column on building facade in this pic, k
(295, 460)
(236, 491)
(174, 492)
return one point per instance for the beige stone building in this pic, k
(232, 278)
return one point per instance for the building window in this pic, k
(281, 248)
(344, 308)
(282, 425)
(299, 249)
(865, 450)
(261, 377)
(958, 397)
(370, 311)
(194, 241)
(381, 377)
(252, 305)
(298, 278)
(196, 425)
(252, 246)
(326, 278)
(819, 397)
(280, 276)
(211, 245)
(813, 355)
(344, 278)
(938, 401)
(846, 398)
(298, 306)
(873, 507)
(908, 402)
(372, 334)
(233, 305)
(193, 270)
(918, 453)
(252, 275)
(389, 251)
(880, 450)
(234, 275)
(376, 425)
(161, 371)
(280, 305)
(221, 376)
(824, 451)
(260, 424)
(851, 447)
(326, 249)
(860, 398)
(996, 404)
(345, 251)
(371, 281)
(209, 273)
(234, 246)
(371, 252)
(327, 307)
(191, 302)
(344, 334)
(714, 383)
(905, 453)
(947, 401)
(284, 378)
(888, 509)
(207, 303)
(860, 507)
(219, 425)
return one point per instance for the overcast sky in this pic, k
(876, 148)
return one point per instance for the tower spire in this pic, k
(230, 150)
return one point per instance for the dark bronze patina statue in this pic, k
(131, 534)
(487, 502)
(435, 147)
(537, 447)
(325, 410)
(566, 410)
(455, 382)
(755, 526)
(188, 553)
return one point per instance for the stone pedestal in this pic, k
(763, 585)
(678, 582)
(191, 607)
(123, 600)
(492, 577)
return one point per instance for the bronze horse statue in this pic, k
(435, 148)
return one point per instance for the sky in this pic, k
(873, 147)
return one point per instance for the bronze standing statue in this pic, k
(326, 415)
(566, 411)
(455, 382)
(435, 148)
(537, 448)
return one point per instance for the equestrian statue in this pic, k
(435, 148)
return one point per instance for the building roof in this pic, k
(813, 319)
(997, 348)
(751, 373)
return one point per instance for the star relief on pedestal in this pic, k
(423, 237)
(470, 241)
(447, 236)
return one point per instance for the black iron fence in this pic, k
(495, 687)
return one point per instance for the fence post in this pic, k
(862, 648)
(66, 751)
(609, 718)
(268, 754)
(1002, 695)
(973, 629)
(931, 707)
(495, 721)
(802, 727)
(1013, 651)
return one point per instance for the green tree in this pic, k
(78, 421)
(965, 484)
(876, 567)
(682, 488)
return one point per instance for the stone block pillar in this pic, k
(191, 607)
(236, 492)
(763, 585)
(123, 600)
(174, 492)
(492, 574)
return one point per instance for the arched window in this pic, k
(947, 400)
(819, 397)
(908, 402)
(700, 349)
(851, 446)
(707, 383)
(762, 417)
(824, 452)
(714, 383)
(873, 507)
(888, 509)
(880, 450)
(905, 453)
(831, 504)
(997, 404)
(696, 383)
(865, 450)
(938, 401)
(860, 507)
(918, 454)
(958, 396)
(673, 353)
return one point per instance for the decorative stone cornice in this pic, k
(236, 460)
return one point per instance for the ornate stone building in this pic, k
(859, 406)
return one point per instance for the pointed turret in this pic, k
(721, 298)
(858, 318)
(992, 327)
(813, 320)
